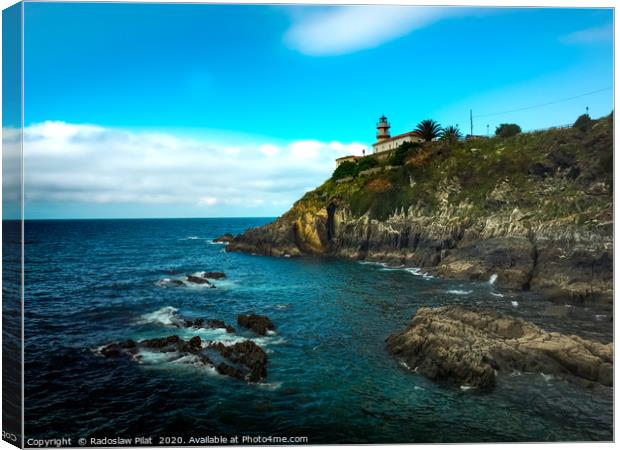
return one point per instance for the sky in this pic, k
(154, 110)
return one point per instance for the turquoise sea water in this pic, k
(89, 283)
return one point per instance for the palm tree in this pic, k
(428, 129)
(451, 134)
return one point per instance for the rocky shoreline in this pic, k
(559, 261)
(544, 225)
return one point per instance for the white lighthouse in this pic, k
(387, 143)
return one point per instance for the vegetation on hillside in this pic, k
(353, 168)
(428, 130)
(548, 174)
(507, 130)
(451, 134)
(403, 153)
(583, 123)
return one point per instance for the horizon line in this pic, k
(137, 218)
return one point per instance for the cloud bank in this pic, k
(347, 29)
(68, 163)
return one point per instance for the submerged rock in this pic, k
(258, 324)
(118, 349)
(470, 347)
(214, 275)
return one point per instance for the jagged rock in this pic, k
(210, 323)
(229, 370)
(510, 258)
(258, 324)
(246, 354)
(166, 344)
(469, 347)
(199, 280)
(244, 360)
(224, 238)
(195, 343)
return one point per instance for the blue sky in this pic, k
(269, 95)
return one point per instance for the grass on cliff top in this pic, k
(550, 174)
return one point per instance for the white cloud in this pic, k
(306, 149)
(207, 201)
(590, 35)
(347, 29)
(68, 163)
(269, 149)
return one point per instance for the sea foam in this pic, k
(458, 292)
(166, 316)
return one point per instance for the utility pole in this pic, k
(471, 123)
(487, 130)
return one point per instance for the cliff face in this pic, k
(535, 210)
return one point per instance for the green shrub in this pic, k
(366, 163)
(583, 122)
(507, 130)
(346, 169)
(401, 154)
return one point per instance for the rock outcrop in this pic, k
(209, 323)
(470, 348)
(243, 360)
(536, 210)
(199, 280)
(249, 360)
(259, 324)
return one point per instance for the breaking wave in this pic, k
(166, 316)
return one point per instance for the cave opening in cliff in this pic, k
(331, 210)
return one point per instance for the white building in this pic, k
(387, 143)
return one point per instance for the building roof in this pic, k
(409, 133)
(348, 157)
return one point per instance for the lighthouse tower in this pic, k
(383, 129)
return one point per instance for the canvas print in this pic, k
(230, 224)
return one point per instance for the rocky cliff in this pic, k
(536, 210)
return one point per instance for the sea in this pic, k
(330, 379)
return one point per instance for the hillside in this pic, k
(535, 209)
